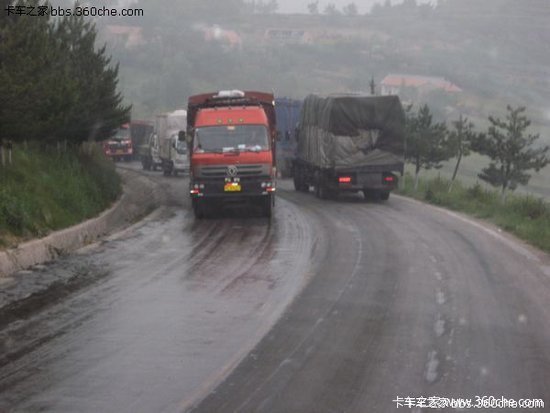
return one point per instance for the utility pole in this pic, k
(372, 86)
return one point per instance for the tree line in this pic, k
(512, 151)
(55, 84)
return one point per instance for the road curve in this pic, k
(383, 300)
(407, 301)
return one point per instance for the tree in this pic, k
(331, 10)
(350, 10)
(427, 145)
(461, 139)
(27, 75)
(96, 110)
(511, 151)
(313, 7)
(266, 7)
(59, 87)
(372, 86)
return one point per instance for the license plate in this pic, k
(120, 152)
(232, 187)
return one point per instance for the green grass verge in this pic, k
(527, 217)
(44, 190)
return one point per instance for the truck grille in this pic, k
(118, 146)
(242, 171)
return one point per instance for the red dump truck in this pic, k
(231, 137)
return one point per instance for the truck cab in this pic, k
(120, 146)
(231, 136)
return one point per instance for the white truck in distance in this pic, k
(172, 152)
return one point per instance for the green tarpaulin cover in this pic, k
(352, 131)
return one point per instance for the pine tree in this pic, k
(26, 68)
(511, 151)
(54, 84)
(427, 145)
(461, 139)
(96, 109)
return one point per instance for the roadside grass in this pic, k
(525, 216)
(46, 190)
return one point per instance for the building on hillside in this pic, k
(229, 38)
(393, 84)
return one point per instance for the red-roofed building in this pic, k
(229, 38)
(393, 84)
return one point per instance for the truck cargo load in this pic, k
(350, 143)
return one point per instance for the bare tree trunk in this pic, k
(3, 160)
(416, 176)
(455, 172)
(503, 194)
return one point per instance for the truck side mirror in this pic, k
(181, 136)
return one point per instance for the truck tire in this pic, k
(267, 206)
(296, 180)
(321, 190)
(385, 195)
(198, 209)
(146, 164)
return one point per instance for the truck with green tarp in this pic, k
(350, 143)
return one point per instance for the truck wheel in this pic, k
(268, 206)
(198, 209)
(385, 195)
(299, 182)
(146, 164)
(297, 186)
(320, 187)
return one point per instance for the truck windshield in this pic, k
(122, 134)
(231, 138)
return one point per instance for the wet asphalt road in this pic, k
(382, 300)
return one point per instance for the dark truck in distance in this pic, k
(288, 117)
(350, 143)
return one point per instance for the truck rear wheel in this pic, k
(321, 190)
(146, 163)
(198, 208)
(296, 180)
(385, 195)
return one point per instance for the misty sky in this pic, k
(300, 6)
